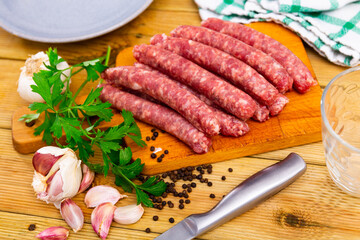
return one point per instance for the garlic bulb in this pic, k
(62, 180)
(33, 65)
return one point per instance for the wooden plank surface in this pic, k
(312, 208)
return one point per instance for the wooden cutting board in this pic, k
(299, 123)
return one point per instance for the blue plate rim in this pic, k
(77, 38)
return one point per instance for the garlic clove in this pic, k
(54, 233)
(72, 214)
(101, 219)
(55, 185)
(43, 162)
(129, 214)
(87, 179)
(101, 194)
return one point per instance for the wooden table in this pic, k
(311, 208)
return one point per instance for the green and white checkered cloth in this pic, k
(331, 27)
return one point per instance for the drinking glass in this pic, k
(340, 114)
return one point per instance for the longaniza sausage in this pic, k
(167, 91)
(157, 115)
(293, 65)
(230, 98)
(260, 61)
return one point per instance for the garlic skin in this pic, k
(129, 214)
(72, 214)
(87, 179)
(33, 65)
(62, 180)
(54, 233)
(102, 194)
(44, 158)
(101, 219)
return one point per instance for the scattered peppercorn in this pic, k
(212, 195)
(181, 206)
(30, 124)
(193, 185)
(171, 220)
(147, 138)
(209, 184)
(31, 227)
(187, 201)
(181, 201)
(152, 148)
(162, 155)
(166, 151)
(153, 155)
(147, 230)
(230, 169)
(156, 134)
(153, 138)
(223, 178)
(159, 159)
(153, 130)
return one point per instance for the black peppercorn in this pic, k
(162, 155)
(153, 138)
(155, 218)
(31, 227)
(147, 138)
(230, 169)
(193, 185)
(153, 155)
(166, 151)
(212, 195)
(209, 184)
(187, 201)
(156, 134)
(181, 206)
(153, 130)
(181, 201)
(147, 230)
(223, 178)
(152, 148)
(171, 220)
(159, 159)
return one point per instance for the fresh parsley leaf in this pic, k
(29, 117)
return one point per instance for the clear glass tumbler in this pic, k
(340, 112)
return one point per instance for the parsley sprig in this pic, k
(63, 114)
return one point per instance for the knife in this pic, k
(244, 197)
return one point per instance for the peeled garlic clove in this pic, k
(72, 214)
(101, 194)
(54, 233)
(101, 219)
(129, 214)
(87, 179)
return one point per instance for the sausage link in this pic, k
(293, 65)
(157, 115)
(230, 98)
(167, 91)
(225, 65)
(229, 125)
(260, 61)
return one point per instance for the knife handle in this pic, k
(250, 193)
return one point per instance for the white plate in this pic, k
(59, 21)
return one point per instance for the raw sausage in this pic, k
(157, 115)
(167, 91)
(260, 61)
(230, 98)
(236, 71)
(229, 125)
(293, 65)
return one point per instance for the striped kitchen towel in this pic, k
(331, 27)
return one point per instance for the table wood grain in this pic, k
(311, 208)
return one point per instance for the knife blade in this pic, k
(254, 190)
